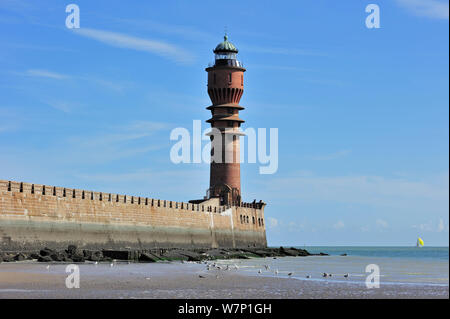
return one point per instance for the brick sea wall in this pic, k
(34, 215)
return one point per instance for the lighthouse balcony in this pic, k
(226, 62)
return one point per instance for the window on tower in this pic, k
(229, 77)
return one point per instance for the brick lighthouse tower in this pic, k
(225, 89)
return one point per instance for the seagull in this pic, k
(236, 266)
(200, 276)
(96, 263)
(48, 267)
(259, 271)
(308, 276)
(346, 275)
(330, 275)
(325, 274)
(267, 267)
(290, 274)
(111, 264)
(148, 278)
(276, 272)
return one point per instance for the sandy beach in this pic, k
(182, 280)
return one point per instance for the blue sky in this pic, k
(362, 114)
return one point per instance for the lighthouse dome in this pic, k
(225, 46)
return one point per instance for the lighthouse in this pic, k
(225, 89)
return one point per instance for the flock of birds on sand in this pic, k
(228, 267)
(213, 266)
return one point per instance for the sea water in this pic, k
(397, 265)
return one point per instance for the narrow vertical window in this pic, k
(229, 77)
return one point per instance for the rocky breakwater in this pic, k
(73, 254)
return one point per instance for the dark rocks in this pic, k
(34, 256)
(71, 249)
(121, 254)
(148, 258)
(47, 252)
(287, 252)
(93, 255)
(75, 254)
(293, 252)
(174, 255)
(45, 259)
(20, 257)
(191, 255)
(7, 257)
(216, 253)
(77, 259)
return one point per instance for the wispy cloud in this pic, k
(280, 50)
(125, 41)
(381, 223)
(279, 68)
(46, 74)
(374, 190)
(431, 226)
(273, 222)
(120, 142)
(441, 225)
(59, 105)
(339, 225)
(184, 31)
(332, 156)
(427, 8)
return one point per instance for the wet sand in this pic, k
(177, 280)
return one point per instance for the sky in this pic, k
(362, 114)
